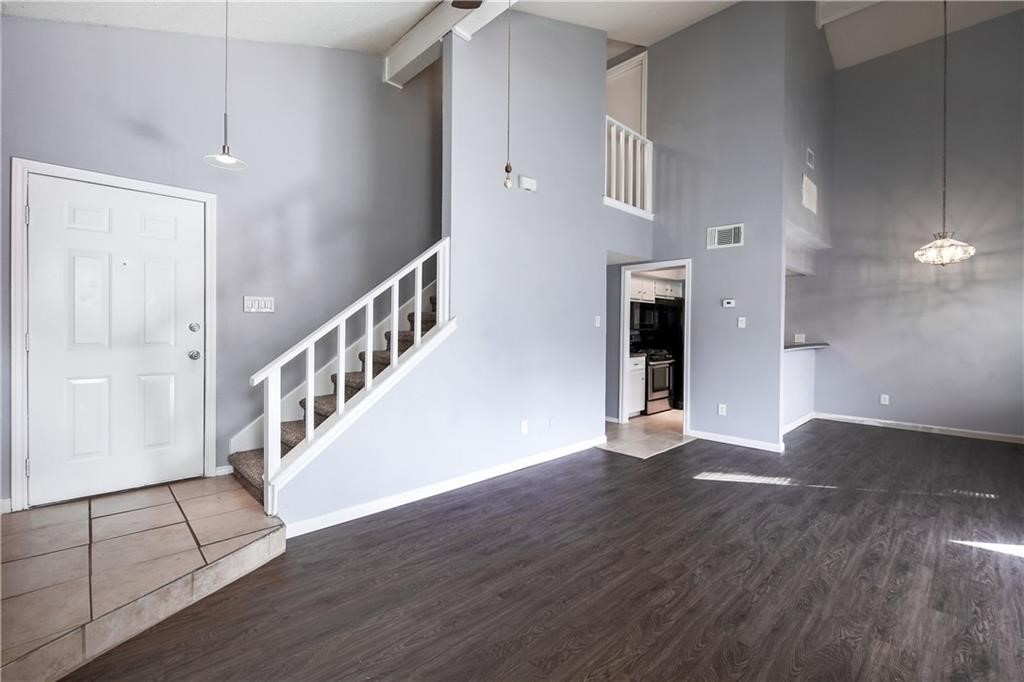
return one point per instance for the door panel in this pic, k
(115, 279)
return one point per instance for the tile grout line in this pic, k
(188, 524)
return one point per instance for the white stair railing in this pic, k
(270, 375)
(629, 167)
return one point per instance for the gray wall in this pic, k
(529, 275)
(343, 184)
(808, 123)
(945, 343)
(716, 108)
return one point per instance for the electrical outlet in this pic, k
(799, 338)
(722, 409)
(741, 322)
(597, 320)
(883, 399)
(524, 427)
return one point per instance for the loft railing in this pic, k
(270, 375)
(629, 168)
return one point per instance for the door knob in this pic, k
(193, 354)
(193, 327)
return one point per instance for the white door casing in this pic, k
(115, 298)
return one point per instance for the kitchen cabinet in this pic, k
(636, 388)
(641, 289)
(664, 288)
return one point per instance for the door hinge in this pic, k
(26, 342)
(26, 214)
(28, 468)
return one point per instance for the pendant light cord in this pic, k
(508, 92)
(945, 104)
(225, 74)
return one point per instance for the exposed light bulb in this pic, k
(508, 175)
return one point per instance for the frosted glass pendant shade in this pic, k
(224, 160)
(944, 250)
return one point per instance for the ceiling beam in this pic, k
(827, 12)
(421, 45)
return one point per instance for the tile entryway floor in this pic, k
(90, 565)
(647, 435)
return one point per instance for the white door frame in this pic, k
(20, 171)
(627, 274)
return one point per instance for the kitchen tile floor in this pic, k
(647, 435)
(68, 565)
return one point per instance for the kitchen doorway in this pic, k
(654, 359)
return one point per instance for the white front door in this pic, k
(116, 346)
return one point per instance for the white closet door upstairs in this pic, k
(116, 344)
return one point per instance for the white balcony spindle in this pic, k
(395, 314)
(310, 391)
(613, 138)
(339, 383)
(649, 176)
(630, 141)
(417, 325)
(620, 179)
(368, 334)
(271, 432)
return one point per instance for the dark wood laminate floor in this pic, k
(844, 566)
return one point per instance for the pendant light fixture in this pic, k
(944, 250)
(508, 103)
(224, 158)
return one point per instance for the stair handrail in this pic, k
(270, 374)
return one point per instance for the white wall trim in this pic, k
(295, 528)
(20, 171)
(627, 273)
(797, 423)
(925, 428)
(5, 506)
(225, 470)
(250, 436)
(622, 206)
(742, 442)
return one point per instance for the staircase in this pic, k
(290, 446)
(248, 464)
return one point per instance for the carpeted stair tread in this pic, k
(429, 321)
(381, 360)
(292, 433)
(247, 468)
(404, 340)
(323, 405)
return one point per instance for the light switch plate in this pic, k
(741, 322)
(527, 183)
(723, 409)
(597, 320)
(257, 304)
(883, 399)
(799, 338)
(810, 195)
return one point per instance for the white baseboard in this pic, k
(926, 428)
(613, 420)
(225, 470)
(296, 528)
(742, 442)
(797, 423)
(5, 506)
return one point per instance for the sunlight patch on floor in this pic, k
(1012, 550)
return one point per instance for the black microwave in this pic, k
(643, 316)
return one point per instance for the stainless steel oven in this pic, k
(660, 385)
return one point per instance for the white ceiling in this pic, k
(364, 26)
(637, 22)
(886, 27)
